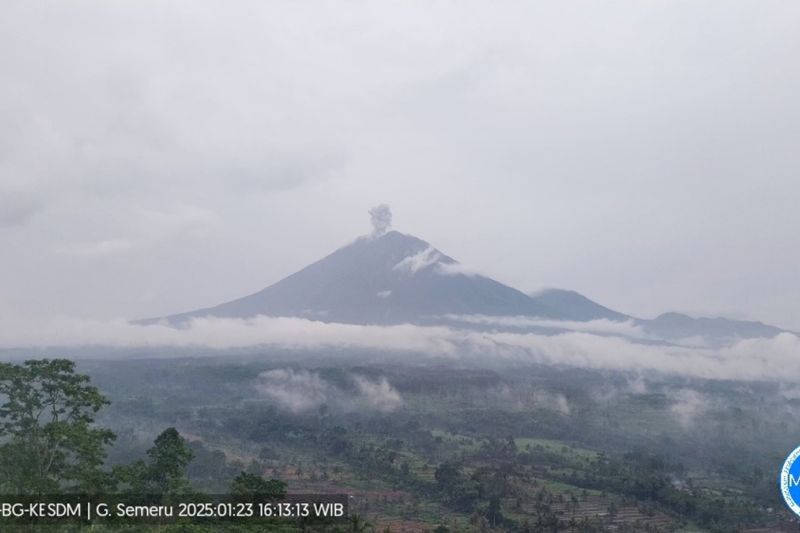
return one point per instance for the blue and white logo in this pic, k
(790, 481)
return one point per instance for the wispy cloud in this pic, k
(456, 268)
(378, 395)
(302, 390)
(419, 261)
(688, 405)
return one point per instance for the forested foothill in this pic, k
(418, 446)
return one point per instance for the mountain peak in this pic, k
(393, 239)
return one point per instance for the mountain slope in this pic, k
(575, 305)
(384, 279)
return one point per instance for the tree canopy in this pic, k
(46, 423)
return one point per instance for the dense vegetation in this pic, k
(50, 446)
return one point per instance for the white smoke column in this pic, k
(381, 218)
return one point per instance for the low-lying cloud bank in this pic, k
(776, 358)
(627, 328)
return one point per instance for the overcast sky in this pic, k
(157, 157)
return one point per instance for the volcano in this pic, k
(381, 279)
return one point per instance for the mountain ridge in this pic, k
(392, 278)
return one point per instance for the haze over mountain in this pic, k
(390, 278)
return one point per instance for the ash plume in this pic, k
(381, 218)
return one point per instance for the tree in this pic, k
(168, 459)
(165, 471)
(357, 524)
(494, 514)
(460, 493)
(446, 475)
(46, 423)
(250, 486)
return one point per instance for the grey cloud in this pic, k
(146, 229)
(17, 208)
(601, 147)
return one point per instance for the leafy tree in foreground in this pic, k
(164, 473)
(49, 443)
